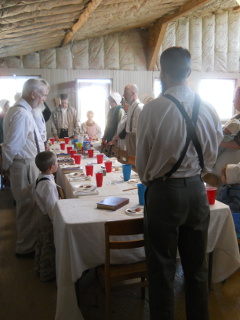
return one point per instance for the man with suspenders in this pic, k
(22, 142)
(177, 141)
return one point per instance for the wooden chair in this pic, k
(105, 149)
(114, 152)
(132, 161)
(123, 156)
(113, 274)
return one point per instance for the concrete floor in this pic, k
(24, 297)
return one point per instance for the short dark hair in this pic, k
(44, 160)
(63, 96)
(176, 62)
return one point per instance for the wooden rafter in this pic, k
(157, 31)
(92, 6)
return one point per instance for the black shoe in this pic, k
(29, 255)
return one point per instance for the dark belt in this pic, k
(177, 180)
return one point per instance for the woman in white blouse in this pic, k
(90, 127)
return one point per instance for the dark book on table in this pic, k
(112, 203)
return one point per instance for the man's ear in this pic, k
(33, 95)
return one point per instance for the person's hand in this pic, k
(111, 143)
(57, 139)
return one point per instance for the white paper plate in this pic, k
(84, 188)
(87, 193)
(77, 175)
(135, 211)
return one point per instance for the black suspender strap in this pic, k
(191, 133)
(37, 181)
(36, 141)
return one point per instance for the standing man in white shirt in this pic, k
(64, 120)
(22, 143)
(130, 95)
(172, 152)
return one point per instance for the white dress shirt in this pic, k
(18, 128)
(133, 112)
(46, 195)
(161, 137)
(64, 118)
(41, 124)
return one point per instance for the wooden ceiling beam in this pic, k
(92, 6)
(157, 31)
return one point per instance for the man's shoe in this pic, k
(29, 255)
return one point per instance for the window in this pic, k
(157, 88)
(220, 93)
(11, 85)
(92, 95)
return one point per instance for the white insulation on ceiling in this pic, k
(213, 40)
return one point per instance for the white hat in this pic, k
(116, 97)
(233, 173)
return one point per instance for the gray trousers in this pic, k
(23, 175)
(176, 216)
(45, 249)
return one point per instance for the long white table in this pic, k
(79, 240)
(79, 236)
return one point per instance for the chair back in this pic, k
(123, 228)
(123, 156)
(114, 152)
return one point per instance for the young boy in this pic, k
(230, 192)
(46, 197)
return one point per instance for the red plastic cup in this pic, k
(90, 153)
(99, 179)
(100, 157)
(77, 158)
(72, 152)
(52, 140)
(69, 149)
(108, 166)
(62, 146)
(66, 139)
(211, 194)
(89, 169)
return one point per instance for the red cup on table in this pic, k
(211, 194)
(108, 166)
(89, 169)
(69, 149)
(99, 179)
(90, 153)
(62, 146)
(77, 158)
(72, 152)
(52, 140)
(100, 157)
(66, 139)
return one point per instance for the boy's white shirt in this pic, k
(46, 195)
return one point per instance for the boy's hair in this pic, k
(44, 160)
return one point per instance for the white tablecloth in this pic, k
(79, 241)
